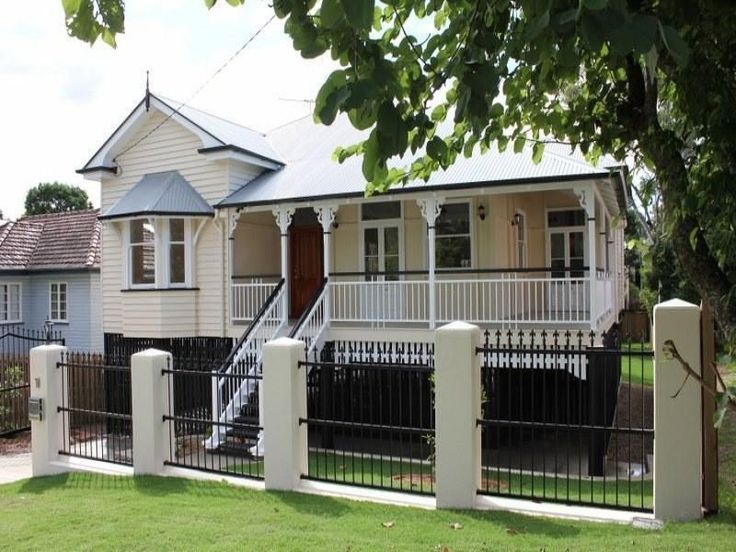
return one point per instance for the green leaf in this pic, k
(437, 149)
(675, 45)
(595, 4)
(439, 113)
(537, 152)
(329, 98)
(70, 7)
(359, 13)
(331, 13)
(694, 238)
(537, 25)
(519, 144)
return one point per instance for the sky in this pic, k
(60, 99)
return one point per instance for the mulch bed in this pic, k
(17, 444)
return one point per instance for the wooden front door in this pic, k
(305, 262)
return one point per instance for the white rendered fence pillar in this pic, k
(457, 410)
(47, 434)
(677, 423)
(149, 389)
(284, 402)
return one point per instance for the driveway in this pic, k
(15, 457)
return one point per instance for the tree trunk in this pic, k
(698, 262)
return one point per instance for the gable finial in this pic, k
(148, 93)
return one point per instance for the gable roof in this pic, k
(58, 241)
(164, 193)
(217, 134)
(312, 173)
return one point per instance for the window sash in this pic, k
(453, 237)
(59, 297)
(10, 298)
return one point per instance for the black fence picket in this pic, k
(370, 415)
(96, 409)
(228, 445)
(567, 417)
(16, 343)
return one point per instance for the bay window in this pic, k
(159, 253)
(10, 303)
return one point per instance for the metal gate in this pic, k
(15, 351)
(567, 417)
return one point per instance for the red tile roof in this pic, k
(55, 241)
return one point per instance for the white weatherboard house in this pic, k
(212, 229)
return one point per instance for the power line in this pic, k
(199, 89)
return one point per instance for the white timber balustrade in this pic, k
(47, 433)
(248, 296)
(311, 328)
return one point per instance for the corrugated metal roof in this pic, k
(163, 193)
(68, 240)
(227, 132)
(311, 172)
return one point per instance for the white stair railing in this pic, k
(312, 325)
(230, 392)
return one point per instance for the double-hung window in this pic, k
(58, 302)
(158, 253)
(177, 252)
(10, 302)
(142, 253)
(452, 236)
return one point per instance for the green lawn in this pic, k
(86, 511)
(639, 368)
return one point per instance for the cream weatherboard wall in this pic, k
(168, 313)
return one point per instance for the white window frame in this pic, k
(471, 234)
(166, 248)
(20, 303)
(57, 319)
(162, 253)
(129, 253)
(380, 224)
(566, 229)
(522, 262)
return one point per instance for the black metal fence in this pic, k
(96, 409)
(16, 343)
(370, 416)
(567, 417)
(227, 442)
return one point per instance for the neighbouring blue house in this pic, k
(50, 270)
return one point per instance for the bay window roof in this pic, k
(163, 194)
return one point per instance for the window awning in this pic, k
(160, 194)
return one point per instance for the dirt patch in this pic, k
(414, 479)
(491, 484)
(635, 410)
(16, 444)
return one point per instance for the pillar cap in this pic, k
(150, 353)
(675, 304)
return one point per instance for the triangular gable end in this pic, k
(103, 161)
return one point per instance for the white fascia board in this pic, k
(231, 155)
(106, 155)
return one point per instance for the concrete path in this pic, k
(14, 467)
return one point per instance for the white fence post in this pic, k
(149, 393)
(47, 434)
(677, 424)
(457, 409)
(284, 402)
